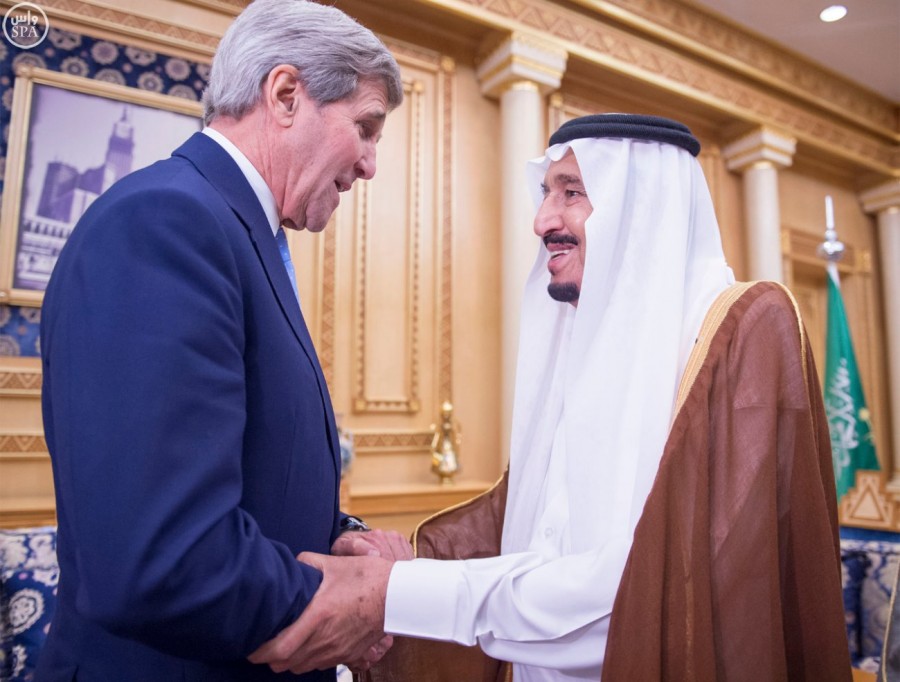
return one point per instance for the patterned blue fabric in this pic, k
(103, 60)
(854, 564)
(19, 326)
(869, 573)
(29, 597)
(29, 574)
(875, 597)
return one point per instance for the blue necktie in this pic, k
(281, 240)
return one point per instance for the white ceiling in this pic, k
(863, 46)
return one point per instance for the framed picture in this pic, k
(70, 138)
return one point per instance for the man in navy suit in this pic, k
(192, 436)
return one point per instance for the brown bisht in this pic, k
(734, 572)
(467, 531)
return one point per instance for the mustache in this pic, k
(560, 239)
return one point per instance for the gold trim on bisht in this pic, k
(714, 316)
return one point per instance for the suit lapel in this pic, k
(223, 173)
(219, 169)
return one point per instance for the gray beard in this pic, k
(564, 293)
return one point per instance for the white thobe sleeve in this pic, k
(521, 607)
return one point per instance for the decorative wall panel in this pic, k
(379, 280)
(26, 481)
(388, 263)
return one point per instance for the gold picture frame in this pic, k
(59, 128)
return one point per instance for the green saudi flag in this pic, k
(852, 447)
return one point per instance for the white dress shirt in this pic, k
(257, 184)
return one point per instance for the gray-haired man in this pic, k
(193, 441)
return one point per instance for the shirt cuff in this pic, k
(419, 589)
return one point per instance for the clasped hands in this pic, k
(344, 621)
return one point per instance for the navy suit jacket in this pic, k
(191, 432)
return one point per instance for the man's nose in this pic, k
(365, 167)
(548, 218)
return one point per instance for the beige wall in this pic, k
(388, 326)
(476, 249)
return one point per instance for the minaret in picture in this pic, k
(120, 152)
(65, 195)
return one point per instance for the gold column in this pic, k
(884, 202)
(520, 72)
(758, 156)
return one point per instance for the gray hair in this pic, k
(331, 51)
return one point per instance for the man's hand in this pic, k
(388, 544)
(343, 623)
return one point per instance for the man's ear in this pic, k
(283, 94)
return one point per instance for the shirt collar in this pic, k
(257, 184)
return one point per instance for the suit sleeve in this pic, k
(145, 392)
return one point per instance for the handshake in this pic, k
(344, 621)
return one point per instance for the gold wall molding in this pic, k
(885, 197)
(869, 504)
(522, 58)
(761, 146)
(392, 442)
(560, 109)
(12, 444)
(26, 478)
(232, 7)
(27, 513)
(20, 383)
(722, 42)
(661, 66)
(446, 81)
(421, 500)
(140, 29)
(445, 67)
(130, 27)
(362, 400)
(413, 55)
(326, 291)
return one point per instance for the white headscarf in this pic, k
(653, 265)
